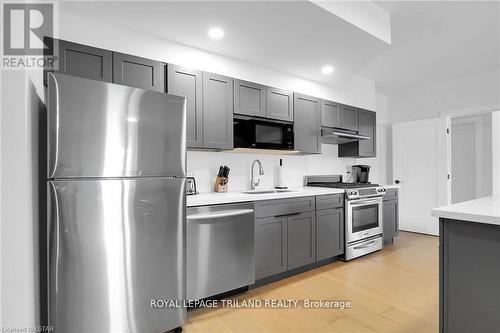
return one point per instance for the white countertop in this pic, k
(231, 197)
(483, 210)
(213, 198)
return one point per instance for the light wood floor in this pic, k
(393, 290)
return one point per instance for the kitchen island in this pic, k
(469, 265)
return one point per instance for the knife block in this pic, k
(220, 184)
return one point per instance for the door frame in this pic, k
(457, 113)
(442, 187)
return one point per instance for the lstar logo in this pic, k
(25, 25)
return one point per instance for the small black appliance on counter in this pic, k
(360, 173)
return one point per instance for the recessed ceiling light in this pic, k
(327, 69)
(216, 33)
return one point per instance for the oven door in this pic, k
(363, 218)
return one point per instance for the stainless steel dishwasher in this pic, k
(220, 249)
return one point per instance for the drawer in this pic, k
(329, 201)
(284, 206)
(391, 193)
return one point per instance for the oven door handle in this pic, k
(365, 245)
(362, 203)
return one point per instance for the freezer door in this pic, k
(116, 246)
(99, 129)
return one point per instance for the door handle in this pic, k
(292, 214)
(397, 181)
(228, 213)
(363, 203)
(365, 245)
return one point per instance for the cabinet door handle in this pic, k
(292, 214)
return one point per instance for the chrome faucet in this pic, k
(253, 182)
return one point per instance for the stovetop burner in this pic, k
(353, 191)
(342, 185)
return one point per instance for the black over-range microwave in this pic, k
(262, 133)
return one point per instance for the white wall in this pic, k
(19, 279)
(476, 92)
(205, 165)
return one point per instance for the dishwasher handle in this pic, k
(221, 214)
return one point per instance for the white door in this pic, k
(419, 165)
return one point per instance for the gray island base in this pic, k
(469, 266)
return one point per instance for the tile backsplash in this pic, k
(204, 165)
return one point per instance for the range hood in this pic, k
(339, 136)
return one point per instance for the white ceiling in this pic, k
(295, 37)
(432, 41)
(437, 41)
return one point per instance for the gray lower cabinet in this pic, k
(307, 123)
(329, 233)
(301, 239)
(284, 242)
(138, 72)
(85, 61)
(188, 83)
(270, 246)
(390, 215)
(348, 117)
(279, 104)
(284, 235)
(367, 124)
(249, 98)
(390, 218)
(217, 111)
(330, 114)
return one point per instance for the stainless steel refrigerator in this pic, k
(116, 215)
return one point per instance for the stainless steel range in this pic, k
(363, 214)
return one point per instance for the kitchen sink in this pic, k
(267, 191)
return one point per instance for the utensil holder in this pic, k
(220, 184)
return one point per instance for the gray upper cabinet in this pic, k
(138, 72)
(279, 104)
(363, 148)
(270, 246)
(348, 117)
(330, 114)
(329, 233)
(85, 61)
(188, 83)
(368, 127)
(249, 98)
(217, 111)
(301, 230)
(307, 123)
